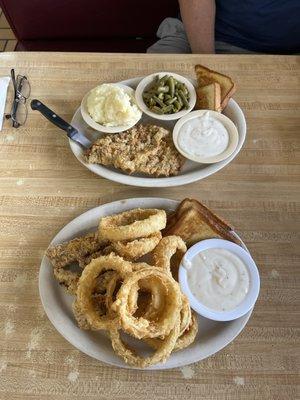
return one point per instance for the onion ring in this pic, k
(166, 248)
(103, 281)
(185, 314)
(99, 304)
(112, 289)
(144, 302)
(189, 335)
(133, 224)
(142, 327)
(88, 282)
(183, 341)
(155, 303)
(137, 248)
(129, 356)
(185, 320)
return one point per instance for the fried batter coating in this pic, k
(147, 149)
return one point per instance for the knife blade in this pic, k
(72, 133)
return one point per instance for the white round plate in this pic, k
(212, 336)
(191, 171)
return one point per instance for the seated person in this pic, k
(232, 26)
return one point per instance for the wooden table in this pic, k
(43, 187)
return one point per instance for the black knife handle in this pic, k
(53, 117)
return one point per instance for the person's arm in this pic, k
(198, 17)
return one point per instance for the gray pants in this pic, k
(173, 39)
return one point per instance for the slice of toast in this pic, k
(206, 76)
(201, 208)
(209, 97)
(194, 222)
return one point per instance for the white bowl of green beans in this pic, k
(165, 96)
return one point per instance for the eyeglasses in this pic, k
(19, 111)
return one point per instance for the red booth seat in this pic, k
(77, 25)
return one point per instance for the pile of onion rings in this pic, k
(119, 293)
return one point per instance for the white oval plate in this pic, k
(212, 336)
(191, 171)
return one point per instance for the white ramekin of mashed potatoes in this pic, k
(110, 107)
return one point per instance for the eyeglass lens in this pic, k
(23, 87)
(21, 113)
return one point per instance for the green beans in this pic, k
(183, 98)
(167, 109)
(171, 86)
(162, 81)
(164, 89)
(158, 101)
(171, 100)
(157, 110)
(166, 95)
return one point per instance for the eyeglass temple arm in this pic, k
(13, 78)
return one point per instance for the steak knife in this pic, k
(72, 133)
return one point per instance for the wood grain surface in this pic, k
(42, 187)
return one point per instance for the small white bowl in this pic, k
(254, 281)
(102, 128)
(229, 125)
(144, 83)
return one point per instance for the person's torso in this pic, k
(271, 26)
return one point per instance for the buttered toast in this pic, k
(193, 222)
(206, 76)
(209, 97)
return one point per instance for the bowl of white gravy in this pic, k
(205, 136)
(220, 278)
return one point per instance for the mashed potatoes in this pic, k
(110, 105)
